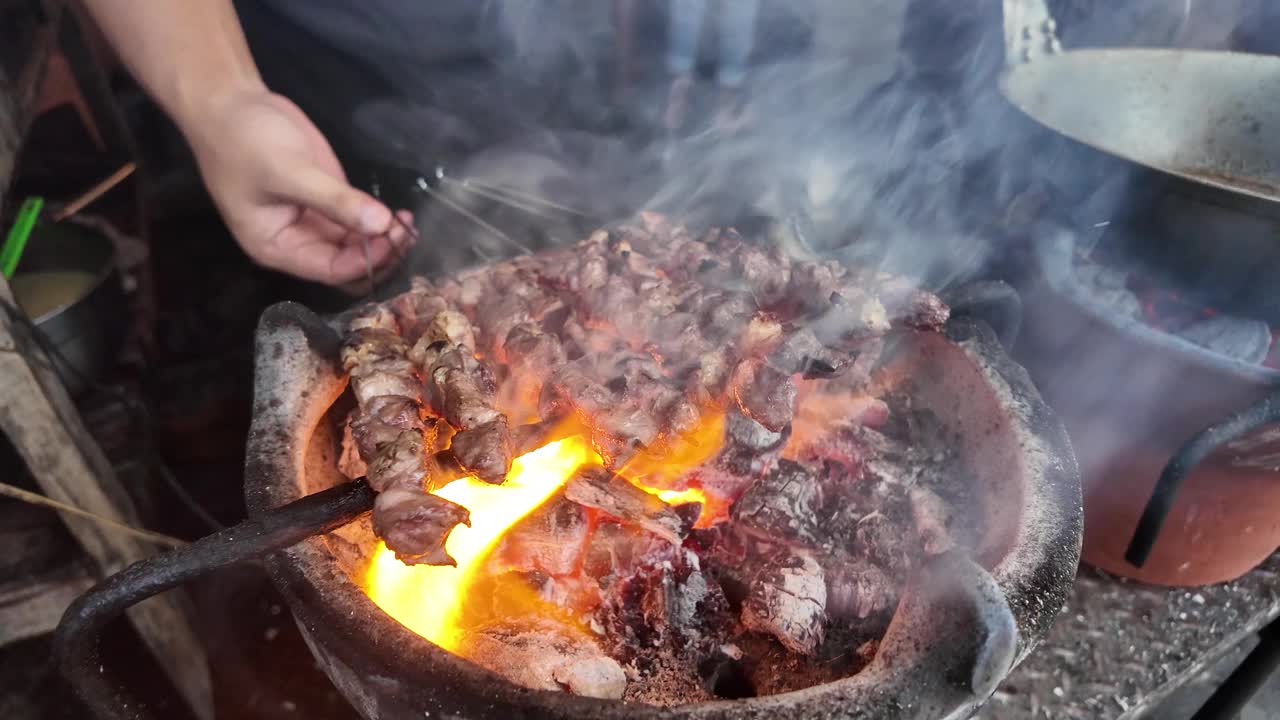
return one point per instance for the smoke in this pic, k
(880, 125)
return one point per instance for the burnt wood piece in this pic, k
(787, 599)
(33, 605)
(41, 422)
(858, 591)
(596, 487)
(782, 506)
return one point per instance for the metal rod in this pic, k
(498, 197)
(473, 217)
(494, 187)
(1266, 410)
(75, 642)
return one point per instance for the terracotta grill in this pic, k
(1179, 482)
(959, 628)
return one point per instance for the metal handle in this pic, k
(75, 642)
(1029, 31)
(1199, 447)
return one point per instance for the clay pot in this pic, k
(1130, 396)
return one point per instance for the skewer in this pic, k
(481, 186)
(95, 192)
(497, 197)
(425, 187)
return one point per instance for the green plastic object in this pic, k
(19, 234)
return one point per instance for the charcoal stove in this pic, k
(957, 632)
(963, 621)
(1222, 520)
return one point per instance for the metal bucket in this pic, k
(88, 331)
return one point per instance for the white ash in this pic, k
(541, 654)
(788, 600)
(1238, 338)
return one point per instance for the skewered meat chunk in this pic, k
(618, 427)
(906, 304)
(415, 525)
(462, 389)
(381, 420)
(396, 440)
(485, 449)
(414, 311)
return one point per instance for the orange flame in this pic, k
(429, 599)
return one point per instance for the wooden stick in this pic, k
(43, 425)
(27, 496)
(95, 192)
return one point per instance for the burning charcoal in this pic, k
(619, 550)
(550, 540)
(541, 654)
(764, 394)
(596, 487)
(853, 316)
(929, 512)
(485, 450)
(788, 600)
(1109, 287)
(746, 433)
(781, 506)
(670, 603)
(1243, 339)
(857, 590)
(802, 352)
(415, 525)
(881, 541)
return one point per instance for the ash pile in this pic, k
(761, 492)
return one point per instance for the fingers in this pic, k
(332, 197)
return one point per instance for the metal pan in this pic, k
(1208, 116)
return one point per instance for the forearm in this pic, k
(190, 55)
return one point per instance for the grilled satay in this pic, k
(393, 433)
(462, 390)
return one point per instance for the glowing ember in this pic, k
(428, 599)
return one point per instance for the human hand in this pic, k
(284, 195)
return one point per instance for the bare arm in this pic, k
(272, 174)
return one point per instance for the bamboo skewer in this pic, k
(95, 192)
(27, 496)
